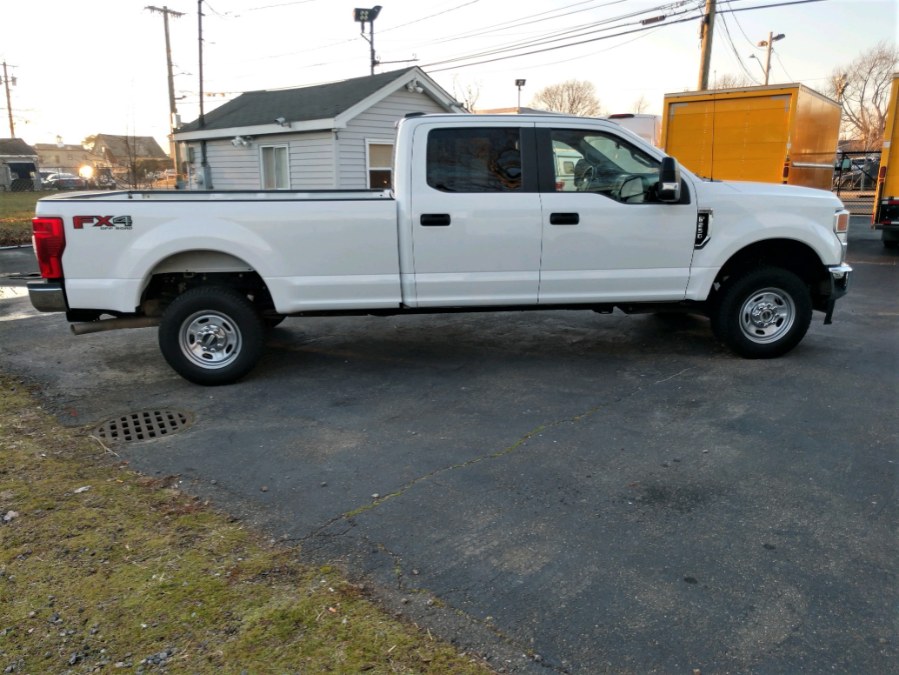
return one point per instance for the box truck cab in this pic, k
(886, 199)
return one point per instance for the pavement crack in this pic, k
(498, 454)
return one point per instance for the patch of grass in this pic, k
(16, 212)
(102, 568)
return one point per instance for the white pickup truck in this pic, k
(479, 218)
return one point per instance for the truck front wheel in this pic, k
(211, 335)
(763, 314)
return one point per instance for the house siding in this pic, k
(232, 168)
(378, 123)
(311, 158)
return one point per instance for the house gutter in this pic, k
(258, 130)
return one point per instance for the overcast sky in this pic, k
(98, 66)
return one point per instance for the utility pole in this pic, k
(205, 173)
(769, 44)
(173, 111)
(6, 83)
(706, 31)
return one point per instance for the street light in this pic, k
(369, 16)
(519, 83)
(753, 56)
(769, 43)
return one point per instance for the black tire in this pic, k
(762, 314)
(211, 335)
(890, 243)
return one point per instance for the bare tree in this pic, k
(863, 89)
(575, 97)
(641, 105)
(728, 81)
(467, 94)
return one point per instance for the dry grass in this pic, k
(102, 568)
(16, 212)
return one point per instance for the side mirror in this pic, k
(669, 181)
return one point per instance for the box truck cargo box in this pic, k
(886, 198)
(647, 127)
(775, 134)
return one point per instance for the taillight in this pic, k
(49, 239)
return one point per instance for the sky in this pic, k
(99, 66)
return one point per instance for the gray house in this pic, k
(18, 165)
(330, 136)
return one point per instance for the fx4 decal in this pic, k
(103, 222)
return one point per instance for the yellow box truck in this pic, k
(886, 198)
(771, 134)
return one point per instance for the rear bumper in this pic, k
(47, 296)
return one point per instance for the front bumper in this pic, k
(839, 285)
(47, 296)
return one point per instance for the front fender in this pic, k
(748, 214)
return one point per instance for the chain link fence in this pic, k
(855, 179)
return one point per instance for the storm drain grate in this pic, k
(142, 426)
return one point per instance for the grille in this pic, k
(142, 426)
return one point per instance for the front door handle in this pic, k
(564, 218)
(435, 219)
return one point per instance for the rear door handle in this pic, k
(564, 218)
(435, 219)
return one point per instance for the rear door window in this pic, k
(475, 160)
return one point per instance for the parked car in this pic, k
(65, 181)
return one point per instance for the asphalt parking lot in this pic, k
(561, 491)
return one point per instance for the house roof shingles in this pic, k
(323, 101)
(15, 147)
(123, 146)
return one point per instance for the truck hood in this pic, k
(771, 195)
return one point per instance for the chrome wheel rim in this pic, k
(210, 339)
(767, 315)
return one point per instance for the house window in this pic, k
(275, 168)
(380, 165)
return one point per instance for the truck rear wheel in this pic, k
(763, 314)
(211, 335)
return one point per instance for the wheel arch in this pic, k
(789, 254)
(185, 270)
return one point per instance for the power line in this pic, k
(734, 49)
(779, 4)
(527, 20)
(604, 37)
(777, 56)
(430, 16)
(551, 38)
(549, 49)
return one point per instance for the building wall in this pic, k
(378, 123)
(239, 168)
(318, 160)
(68, 159)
